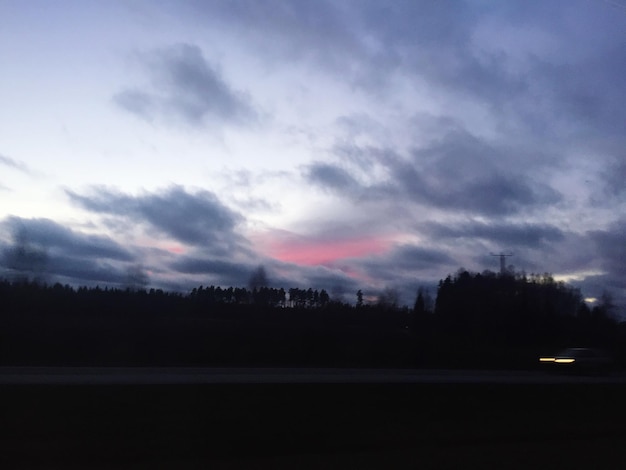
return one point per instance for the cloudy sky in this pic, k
(342, 145)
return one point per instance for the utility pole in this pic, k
(502, 261)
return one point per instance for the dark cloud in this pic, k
(609, 248)
(500, 234)
(412, 257)
(45, 249)
(224, 273)
(198, 219)
(463, 172)
(435, 41)
(611, 245)
(86, 271)
(613, 181)
(57, 238)
(489, 194)
(459, 173)
(404, 259)
(185, 85)
(403, 270)
(330, 176)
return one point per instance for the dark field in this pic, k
(314, 426)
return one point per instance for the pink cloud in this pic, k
(296, 249)
(179, 250)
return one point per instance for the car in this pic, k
(585, 361)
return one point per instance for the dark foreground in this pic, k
(236, 426)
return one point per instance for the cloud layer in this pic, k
(342, 145)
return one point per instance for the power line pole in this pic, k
(502, 260)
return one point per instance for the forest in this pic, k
(476, 320)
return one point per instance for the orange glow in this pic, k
(547, 359)
(564, 361)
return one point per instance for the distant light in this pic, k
(547, 359)
(577, 276)
(591, 300)
(564, 361)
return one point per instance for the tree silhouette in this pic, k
(137, 278)
(480, 320)
(258, 278)
(359, 298)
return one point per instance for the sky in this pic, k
(342, 145)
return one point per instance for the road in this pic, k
(202, 375)
(232, 418)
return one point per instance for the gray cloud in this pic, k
(225, 273)
(611, 244)
(415, 258)
(403, 269)
(527, 235)
(42, 247)
(57, 238)
(587, 94)
(185, 85)
(291, 31)
(87, 271)
(613, 177)
(14, 164)
(456, 173)
(330, 176)
(489, 194)
(368, 41)
(198, 219)
(404, 259)
(500, 234)
(463, 172)
(138, 102)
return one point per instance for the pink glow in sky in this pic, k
(312, 252)
(179, 250)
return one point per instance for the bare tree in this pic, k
(258, 278)
(137, 278)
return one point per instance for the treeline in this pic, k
(210, 326)
(476, 320)
(266, 296)
(501, 319)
